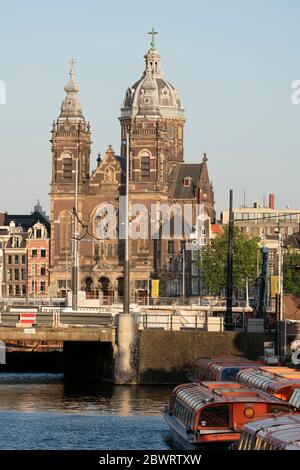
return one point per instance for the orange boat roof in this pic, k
(226, 392)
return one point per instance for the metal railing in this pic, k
(63, 319)
(199, 322)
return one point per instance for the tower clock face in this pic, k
(106, 222)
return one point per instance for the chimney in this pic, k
(271, 201)
(2, 218)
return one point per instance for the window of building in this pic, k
(43, 287)
(67, 168)
(195, 287)
(43, 253)
(43, 270)
(17, 290)
(23, 274)
(145, 167)
(23, 259)
(203, 241)
(38, 233)
(170, 265)
(195, 270)
(16, 259)
(64, 284)
(10, 290)
(16, 274)
(170, 132)
(173, 288)
(23, 289)
(16, 242)
(109, 250)
(187, 181)
(34, 253)
(170, 247)
(9, 259)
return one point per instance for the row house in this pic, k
(24, 261)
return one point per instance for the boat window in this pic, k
(249, 441)
(215, 416)
(243, 441)
(278, 408)
(258, 443)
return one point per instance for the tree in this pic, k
(214, 261)
(291, 272)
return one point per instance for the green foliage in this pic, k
(291, 273)
(214, 261)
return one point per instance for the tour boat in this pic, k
(270, 382)
(273, 432)
(219, 368)
(212, 414)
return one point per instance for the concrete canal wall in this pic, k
(166, 356)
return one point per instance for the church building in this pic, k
(152, 121)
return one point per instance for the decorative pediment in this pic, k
(108, 171)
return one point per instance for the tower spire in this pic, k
(71, 107)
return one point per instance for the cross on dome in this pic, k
(153, 33)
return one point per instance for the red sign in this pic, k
(28, 318)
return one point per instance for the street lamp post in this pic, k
(229, 289)
(126, 304)
(280, 293)
(183, 275)
(75, 244)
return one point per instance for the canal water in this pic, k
(41, 411)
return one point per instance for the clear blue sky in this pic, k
(233, 62)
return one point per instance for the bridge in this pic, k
(152, 342)
(47, 334)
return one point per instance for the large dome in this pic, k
(152, 95)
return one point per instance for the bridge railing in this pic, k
(200, 322)
(59, 319)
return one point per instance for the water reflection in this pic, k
(49, 392)
(41, 411)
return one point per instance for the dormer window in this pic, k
(187, 181)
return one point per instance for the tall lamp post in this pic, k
(229, 284)
(126, 304)
(75, 241)
(280, 293)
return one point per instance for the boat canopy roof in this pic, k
(198, 395)
(267, 381)
(280, 430)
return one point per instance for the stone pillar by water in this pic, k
(124, 369)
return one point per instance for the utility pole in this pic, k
(280, 294)
(229, 284)
(183, 275)
(75, 242)
(126, 304)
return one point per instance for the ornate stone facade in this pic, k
(153, 117)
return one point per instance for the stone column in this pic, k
(124, 371)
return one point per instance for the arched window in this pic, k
(67, 167)
(145, 166)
